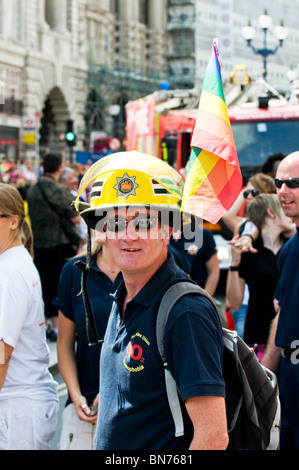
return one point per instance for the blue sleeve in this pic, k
(277, 291)
(209, 245)
(65, 289)
(280, 260)
(194, 348)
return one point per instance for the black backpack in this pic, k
(252, 401)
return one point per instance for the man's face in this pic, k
(140, 244)
(71, 181)
(289, 197)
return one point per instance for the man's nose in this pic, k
(131, 231)
(284, 188)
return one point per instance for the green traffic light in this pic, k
(70, 136)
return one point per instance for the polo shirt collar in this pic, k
(154, 286)
(81, 263)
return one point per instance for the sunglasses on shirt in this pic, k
(254, 193)
(291, 183)
(139, 223)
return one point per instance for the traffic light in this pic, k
(70, 136)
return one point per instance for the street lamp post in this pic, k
(265, 23)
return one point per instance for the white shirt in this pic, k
(22, 326)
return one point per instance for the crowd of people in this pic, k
(49, 248)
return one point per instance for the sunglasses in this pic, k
(254, 193)
(290, 183)
(139, 223)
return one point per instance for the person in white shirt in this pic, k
(28, 393)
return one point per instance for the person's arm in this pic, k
(231, 217)
(208, 417)
(68, 367)
(234, 289)
(234, 283)
(5, 355)
(213, 274)
(272, 353)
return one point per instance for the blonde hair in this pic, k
(263, 183)
(96, 248)
(11, 203)
(257, 210)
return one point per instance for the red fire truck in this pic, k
(259, 131)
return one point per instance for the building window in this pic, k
(143, 12)
(69, 16)
(17, 20)
(49, 13)
(114, 7)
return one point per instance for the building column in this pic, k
(124, 11)
(60, 16)
(157, 15)
(41, 17)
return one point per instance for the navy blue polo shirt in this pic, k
(69, 300)
(133, 409)
(287, 293)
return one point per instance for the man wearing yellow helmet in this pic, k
(135, 201)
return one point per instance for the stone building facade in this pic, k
(56, 54)
(192, 25)
(83, 60)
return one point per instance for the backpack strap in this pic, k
(171, 296)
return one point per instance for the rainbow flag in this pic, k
(5, 167)
(214, 177)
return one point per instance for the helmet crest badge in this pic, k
(126, 186)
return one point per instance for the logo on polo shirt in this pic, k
(193, 249)
(134, 360)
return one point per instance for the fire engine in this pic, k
(259, 130)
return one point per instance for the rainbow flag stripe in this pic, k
(214, 177)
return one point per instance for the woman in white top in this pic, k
(28, 392)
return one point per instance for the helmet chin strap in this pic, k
(91, 328)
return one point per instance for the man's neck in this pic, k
(134, 284)
(135, 281)
(53, 176)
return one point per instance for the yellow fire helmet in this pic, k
(126, 179)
